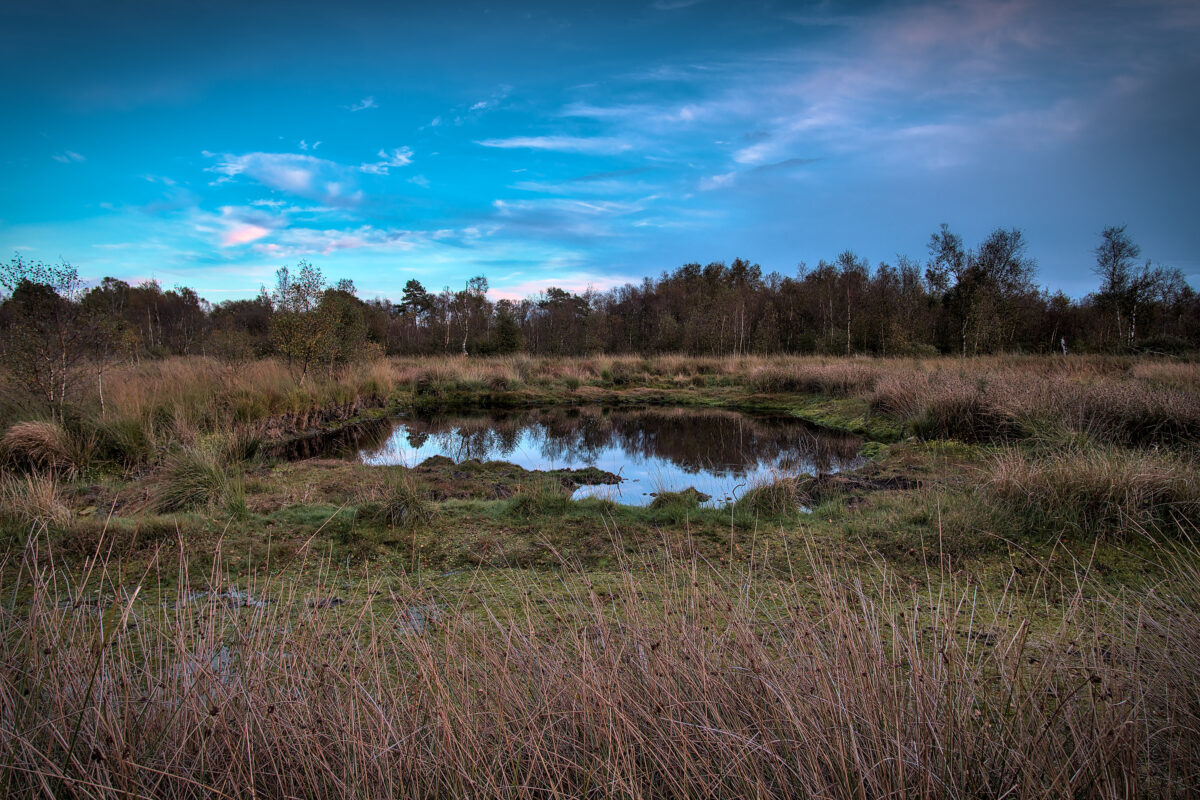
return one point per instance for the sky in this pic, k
(587, 144)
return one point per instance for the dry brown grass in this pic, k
(1099, 490)
(158, 406)
(33, 500)
(679, 685)
(40, 444)
(845, 378)
(1108, 399)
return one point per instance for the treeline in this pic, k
(958, 300)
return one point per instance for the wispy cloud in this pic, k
(672, 5)
(717, 181)
(297, 173)
(564, 218)
(68, 157)
(235, 225)
(399, 157)
(363, 105)
(598, 145)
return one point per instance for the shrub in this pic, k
(621, 373)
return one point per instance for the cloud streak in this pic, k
(598, 145)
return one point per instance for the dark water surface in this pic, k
(720, 453)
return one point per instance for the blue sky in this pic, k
(575, 145)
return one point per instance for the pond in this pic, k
(719, 453)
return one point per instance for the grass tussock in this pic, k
(681, 686)
(405, 505)
(40, 444)
(200, 477)
(539, 497)
(1098, 490)
(34, 499)
(777, 497)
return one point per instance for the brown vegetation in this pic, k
(671, 683)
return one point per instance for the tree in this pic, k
(471, 307)
(415, 300)
(506, 336)
(1122, 288)
(42, 335)
(343, 325)
(988, 284)
(104, 314)
(299, 332)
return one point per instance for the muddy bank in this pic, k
(853, 486)
(443, 479)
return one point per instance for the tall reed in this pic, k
(675, 682)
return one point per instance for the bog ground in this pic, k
(987, 587)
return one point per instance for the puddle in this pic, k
(720, 453)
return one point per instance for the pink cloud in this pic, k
(576, 283)
(243, 233)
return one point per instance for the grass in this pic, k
(663, 680)
(778, 497)
(1098, 491)
(155, 407)
(197, 478)
(405, 505)
(34, 500)
(999, 602)
(539, 497)
(39, 444)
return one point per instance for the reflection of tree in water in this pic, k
(726, 443)
(345, 441)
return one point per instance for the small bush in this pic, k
(620, 373)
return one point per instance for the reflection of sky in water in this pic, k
(720, 455)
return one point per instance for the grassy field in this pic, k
(1002, 602)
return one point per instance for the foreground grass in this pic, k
(667, 679)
